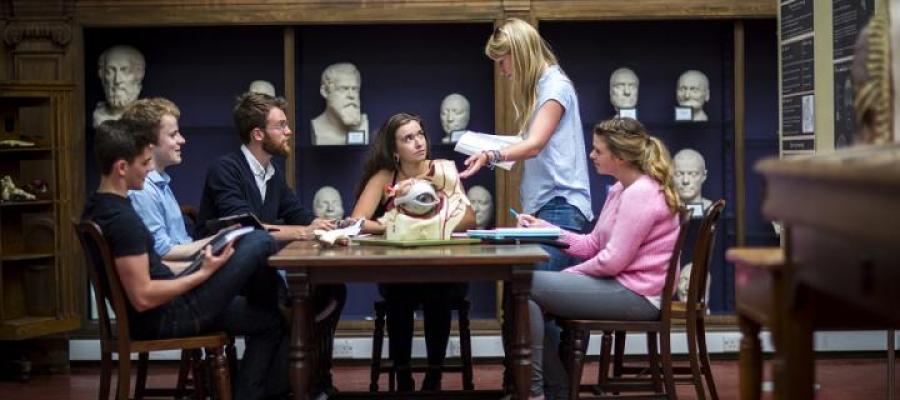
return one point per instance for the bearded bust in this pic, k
(121, 70)
(340, 89)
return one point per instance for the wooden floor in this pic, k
(839, 379)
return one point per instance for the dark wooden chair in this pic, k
(692, 312)
(115, 337)
(575, 334)
(464, 365)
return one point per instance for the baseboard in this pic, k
(491, 347)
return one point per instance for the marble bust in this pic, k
(623, 88)
(690, 173)
(340, 88)
(482, 204)
(327, 203)
(693, 91)
(261, 86)
(121, 70)
(454, 115)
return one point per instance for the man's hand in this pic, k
(323, 224)
(212, 262)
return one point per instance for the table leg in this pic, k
(750, 359)
(302, 351)
(795, 371)
(521, 346)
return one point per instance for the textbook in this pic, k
(218, 243)
(473, 142)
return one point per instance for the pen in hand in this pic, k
(519, 220)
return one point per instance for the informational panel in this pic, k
(849, 17)
(797, 77)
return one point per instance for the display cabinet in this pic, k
(411, 53)
(35, 240)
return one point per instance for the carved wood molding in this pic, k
(58, 32)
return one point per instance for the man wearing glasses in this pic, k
(246, 181)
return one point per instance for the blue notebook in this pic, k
(515, 233)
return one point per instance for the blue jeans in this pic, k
(238, 299)
(564, 215)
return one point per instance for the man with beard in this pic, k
(121, 70)
(342, 115)
(247, 181)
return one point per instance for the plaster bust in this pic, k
(261, 86)
(623, 88)
(483, 205)
(693, 91)
(121, 70)
(690, 173)
(340, 89)
(327, 203)
(454, 115)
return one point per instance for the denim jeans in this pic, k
(238, 299)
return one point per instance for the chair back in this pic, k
(105, 278)
(702, 256)
(684, 218)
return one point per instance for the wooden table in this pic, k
(841, 214)
(308, 264)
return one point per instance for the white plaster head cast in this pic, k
(623, 88)
(690, 173)
(684, 283)
(482, 204)
(693, 91)
(264, 87)
(340, 88)
(327, 203)
(121, 70)
(454, 114)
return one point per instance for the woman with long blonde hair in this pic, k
(555, 183)
(626, 255)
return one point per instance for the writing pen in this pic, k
(516, 216)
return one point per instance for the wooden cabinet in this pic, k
(36, 243)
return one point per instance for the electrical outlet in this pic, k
(731, 344)
(453, 347)
(342, 348)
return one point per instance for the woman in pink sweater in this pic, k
(625, 257)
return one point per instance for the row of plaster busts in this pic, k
(691, 91)
(327, 203)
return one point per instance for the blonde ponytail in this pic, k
(657, 163)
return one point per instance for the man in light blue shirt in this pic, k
(156, 204)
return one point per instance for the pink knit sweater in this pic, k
(632, 241)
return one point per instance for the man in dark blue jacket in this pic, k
(246, 181)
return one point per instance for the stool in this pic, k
(379, 367)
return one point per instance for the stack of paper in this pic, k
(473, 142)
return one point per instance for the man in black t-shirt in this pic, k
(230, 291)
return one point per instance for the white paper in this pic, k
(473, 142)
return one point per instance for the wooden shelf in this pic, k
(28, 203)
(30, 327)
(26, 256)
(36, 149)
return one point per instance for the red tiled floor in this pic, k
(839, 379)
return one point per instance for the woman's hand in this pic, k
(528, 221)
(473, 164)
(212, 262)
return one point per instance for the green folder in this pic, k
(415, 243)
